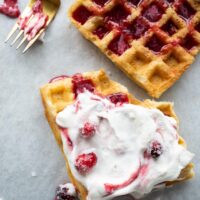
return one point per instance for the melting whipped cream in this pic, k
(123, 135)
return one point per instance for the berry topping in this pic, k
(185, 10)
(153, 13)
(134, 2)
(82, 14)
(118, 98)
(101, 2)
(170, 27)
(63, 193)
(88, 130)
(189, 42)
(155, 44)
(119, 45)
(156, 149)
(101, 31)
(80, 84)
(85, 162)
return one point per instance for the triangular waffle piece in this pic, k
(61, 92)
(152, 41)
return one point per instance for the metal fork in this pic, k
(49, 7)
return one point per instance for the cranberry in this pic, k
(155, 149)
(101, 31)
(119, 45)
(85, 162)
(82, 14)
(118, 98)
(88, 130)
(117, 15)
(138, 27)
(185, 10)
(62, 194)
(155, 44)
(189, 42)
(100, 2)
(80, 84)
(170, 27)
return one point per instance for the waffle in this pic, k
(152, 41)
(57, 95)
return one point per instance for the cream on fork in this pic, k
(33, 21)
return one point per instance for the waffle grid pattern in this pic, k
(57, 95)
(152, 41)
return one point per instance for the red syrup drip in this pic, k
(189, 42)
(110, 188)
(82, 14)
(137, 28)
(118, 98)
(155, 44)
(101, 31)
(119, 45)
(185, 10)
(68, 139)
(10, 8)
(100, 2)
(170, 27)
(80, 84)
(153, 12)
(58, 78)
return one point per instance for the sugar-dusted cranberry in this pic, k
(85, 162)
(153, 12)
(117, 15)
(88, 130)
(189, 42)
(138, 27)
(101, 31)
(100, 2)
(170, 27)
(82, 14)
(185, 10)
(155, 44)
(118, 98)
(134, 2)
(62, 193)
(119, 45)
(80, 84)
(155, 149)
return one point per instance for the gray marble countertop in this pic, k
(31, 164)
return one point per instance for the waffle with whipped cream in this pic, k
(152, 41)
(87, 113)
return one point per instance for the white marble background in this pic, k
(31, 164)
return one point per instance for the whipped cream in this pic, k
(123, 136)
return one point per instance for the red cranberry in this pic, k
(62, 194)
(118, 98)
(80, 84)
(85, 162)
(82, 14)
(155, 149)
(88, 130)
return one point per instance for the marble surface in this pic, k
(31, 164)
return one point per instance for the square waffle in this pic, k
(152, 41)
(59, 94)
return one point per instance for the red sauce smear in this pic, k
(110, 188)
(38, 22)
(66, 134)
(10, 8)
(58, 78)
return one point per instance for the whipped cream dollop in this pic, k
(135, 148)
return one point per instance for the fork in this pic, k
(33, 22)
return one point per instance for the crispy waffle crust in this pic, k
(57, 95)
(152, 41)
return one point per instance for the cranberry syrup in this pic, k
(10, 8)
